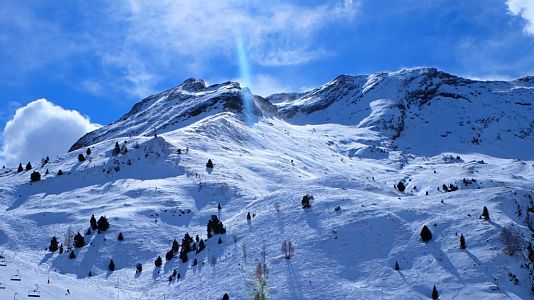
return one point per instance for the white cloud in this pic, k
(161, 37)
(42, 129)
(524, 9)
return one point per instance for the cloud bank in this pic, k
(524, 9)
(42, 129)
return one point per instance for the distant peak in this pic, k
(193, 85)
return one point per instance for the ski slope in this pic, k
(346, 244)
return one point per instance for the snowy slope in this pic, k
(426, 108)
(153, 194)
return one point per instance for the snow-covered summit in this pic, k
(425, 111)
(176, 108)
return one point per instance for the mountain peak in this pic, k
(193, 85)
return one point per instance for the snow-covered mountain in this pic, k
(348, 144)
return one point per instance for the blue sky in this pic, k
(101, 57)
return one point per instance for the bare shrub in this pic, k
(287, 249)
(512, 240)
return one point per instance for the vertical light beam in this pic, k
(244, 73)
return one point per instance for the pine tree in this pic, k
(117, 150)
(102, 224)
(35, 176)
(111, 266)
(462, 242)
(201, 246)
(485, 214)
(209, 164)
(158, 262)
(219, 241)
(219, 206)
(61, 249)
(81, 158)
(226, 297)
(426, 234)
(20, 169)
(138, 268)
(94, 226)
(175, 246)
(169, 255)
(400, 186)
(28, 166)
(435, 294)
(306, 201)
(195, 262)
(88, 152)
(53, 245)
(183, 256)
(215, 226)
(79, 241)
(72, 255)
(60, 172)
(88, 232)
(397, 267)
(120, 237)
(248, 216)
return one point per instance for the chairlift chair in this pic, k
(16, 277)
(35, 293)
(2, 286)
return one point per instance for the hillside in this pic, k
(347, 143)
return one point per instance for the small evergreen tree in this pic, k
(88, 232)
(397, 267)
(120, 237)
(400, 186)
(124, 149)
(248, 216)
(201, 246)
(81, 158)
(20, 169)
(103, 224)
(28, 166)
(306, 201)
(195, 262)
(72, 255)
(215, 226)
(462, 242)
(79, 241)
(219, 241)
(138, 268)
(426, 234)
(219, 206)
(111, 265)
(35, 176)
(169, 255)
(117, 150)
(183, 256)
(93, 223)
(175, 246)
(435, 294)
(158, 262)
(88, 152)
(53, 245)
(226, 297)
(209, 164)
(60, 172)
(61, 249)
(485, 214)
